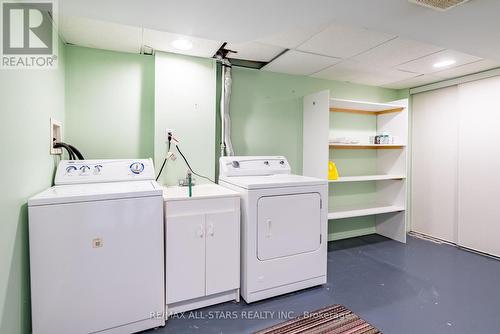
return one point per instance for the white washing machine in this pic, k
(96, 249)
(284, 225)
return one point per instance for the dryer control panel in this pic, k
(97, 171)
(253, 166)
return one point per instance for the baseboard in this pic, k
(351, 234)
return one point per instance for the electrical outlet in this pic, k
(169, 131)
(55, 136)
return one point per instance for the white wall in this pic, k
(185, 102)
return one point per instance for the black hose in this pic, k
(71, 155)
(76, 152)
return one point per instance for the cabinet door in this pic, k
(185, 256)
(223, 252)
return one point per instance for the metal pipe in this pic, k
(226, 144)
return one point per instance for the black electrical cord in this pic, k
(76, 152)
(161, 169)
(165, 160)
(71, 155)
(187, 163)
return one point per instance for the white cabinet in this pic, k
(186, 241)
(222, 252)
(202, 247)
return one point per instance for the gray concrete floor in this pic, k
(420, 287)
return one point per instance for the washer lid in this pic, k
(273, 181)
(95, 192)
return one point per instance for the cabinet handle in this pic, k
(211, 231)
(200, 231)
(269, 234)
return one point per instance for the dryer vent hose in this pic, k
(73, 152)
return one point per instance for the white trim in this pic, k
(460, 80)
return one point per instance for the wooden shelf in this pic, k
(362, 178)
(361, 210)
(363, 108)
(365, 146)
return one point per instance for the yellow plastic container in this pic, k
(333, 173)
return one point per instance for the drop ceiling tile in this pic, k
(395, 52)
(300, 63)
(425, 65)
(466, 69)
(254, 51)
(293, 37)
(355, 72)
(417, 81)
(344, 41)
(162, 41)
(344, 71)
(100, 34)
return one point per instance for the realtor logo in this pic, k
(28, 36)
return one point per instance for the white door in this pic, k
(479, 166)
(222, 252)
(434, 163)
(185, 254)
(288, 225)
(96, 265)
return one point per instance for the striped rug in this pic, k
(334, 319)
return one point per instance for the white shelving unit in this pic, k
(360, 210)
(383, 167)
(363, 178)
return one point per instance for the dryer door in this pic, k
(288, 225)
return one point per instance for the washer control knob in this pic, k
(137, 167)
(84, 169)
(282, 162)
(70, 169)
(97, 169)
(235, 164)
(266, 163)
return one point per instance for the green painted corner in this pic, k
(29, 98)
(110, 103)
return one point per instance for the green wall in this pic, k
(266, 110)
(266, 114)
(28, 99)
(109, 103)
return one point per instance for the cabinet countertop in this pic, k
(201, 191)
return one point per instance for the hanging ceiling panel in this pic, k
(343, 41)
(426, 65)
(301, 63)
(100, 34)
(162, 41)
(395, 52)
